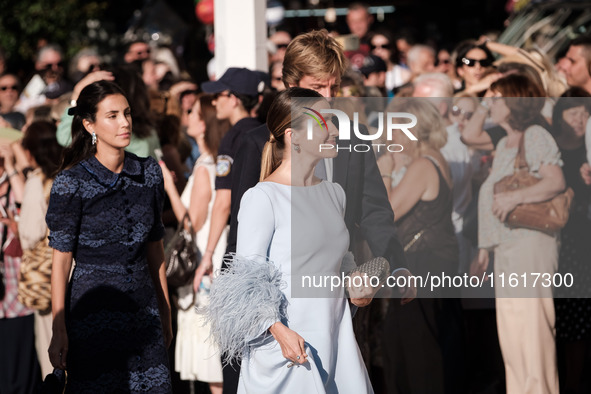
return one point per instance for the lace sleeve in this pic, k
(64, 212)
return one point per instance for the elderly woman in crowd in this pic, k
(424, 338)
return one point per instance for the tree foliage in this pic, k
(23, 23)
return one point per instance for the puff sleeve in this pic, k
(64, 212)
(540, 148)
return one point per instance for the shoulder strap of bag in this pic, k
(181, 226)
(520, 162)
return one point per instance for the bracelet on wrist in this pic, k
(482, 110)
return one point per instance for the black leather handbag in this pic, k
(55, 382)
(182, 255)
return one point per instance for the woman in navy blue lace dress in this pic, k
(111, 320)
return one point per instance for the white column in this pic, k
(240, 35)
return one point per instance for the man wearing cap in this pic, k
(316, 61)
(236, 94)
(374, 73)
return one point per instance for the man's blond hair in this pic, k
(316, 54)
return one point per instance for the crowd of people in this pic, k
(101, 162)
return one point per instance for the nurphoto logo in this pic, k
(344, 124)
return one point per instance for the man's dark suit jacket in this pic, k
(368, 213)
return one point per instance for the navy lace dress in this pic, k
(114, 330)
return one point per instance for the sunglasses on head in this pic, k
(11, 87)
(457, 111)
(384, 46)
(472, 62)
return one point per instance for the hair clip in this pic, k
(72, 111)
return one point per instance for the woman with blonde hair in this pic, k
(424, 338)
(195, 355)
(292, 338)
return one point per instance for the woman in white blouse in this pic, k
(525, 315)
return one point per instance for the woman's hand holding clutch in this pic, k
(361, 295)
(366, 280)
(292, 344)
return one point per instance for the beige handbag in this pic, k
(34, 284)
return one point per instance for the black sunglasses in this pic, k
(457, 111)
(385, 46)
(143, 52)
(472, 62)
(221, 94)
(50, 66)
(281, 46)
(12, 87)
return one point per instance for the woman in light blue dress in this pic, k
(291, 339)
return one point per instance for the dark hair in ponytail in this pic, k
(86, 107)
(278, 120)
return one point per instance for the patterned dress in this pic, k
(114, 329)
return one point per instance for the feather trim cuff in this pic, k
(245, 300)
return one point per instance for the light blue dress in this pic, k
(314, 242)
